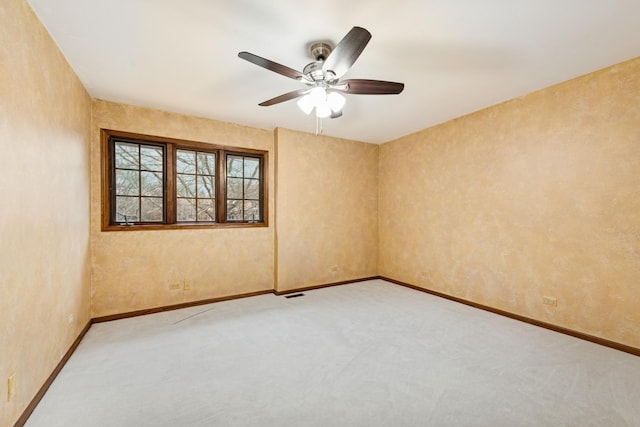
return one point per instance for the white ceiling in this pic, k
(454, 56)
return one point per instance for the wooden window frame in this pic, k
(170, 199)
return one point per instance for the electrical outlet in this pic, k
(550, 301)
(11, 387)
(175, 286)
(186, 286)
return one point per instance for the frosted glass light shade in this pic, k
(306, 104)
(335, 101)
(323, 110)
(318, 95)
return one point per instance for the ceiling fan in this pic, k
(322, 76)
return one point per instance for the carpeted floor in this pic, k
(364, 354)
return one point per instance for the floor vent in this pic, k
(294, 295)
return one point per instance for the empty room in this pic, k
(286, 213)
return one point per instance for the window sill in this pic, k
(183, 226)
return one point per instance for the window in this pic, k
(152, 182)
(243, 188)
(195, 186)
(139, 183)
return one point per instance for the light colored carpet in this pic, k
(364, 354)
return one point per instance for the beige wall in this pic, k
(539, 196)
(133, 270)
(44, 199)
(327, 202)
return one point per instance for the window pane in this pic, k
(206, 210)
(234, 210)
(251, 168)
(151, 209)
(234, 188)
(185, 161)
(206, 164)
(243, 188)
(186, 185)
(127, 209)
(127, 183)
(234, 166)
(251, 210)
(151, 158)
(186, 209)
(206, 186)
(127, 155)
(252, 189)
(151, 183)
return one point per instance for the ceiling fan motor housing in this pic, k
(313, 70)
(319, 51)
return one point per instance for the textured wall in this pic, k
(327, 202)
(133, 270)
(539, 196)
(44, 206)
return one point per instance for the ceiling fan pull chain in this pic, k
(318, 125)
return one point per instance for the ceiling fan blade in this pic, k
(335, 114)
(285, 97)
(347, 51)
(371, 87)
(271, 66)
